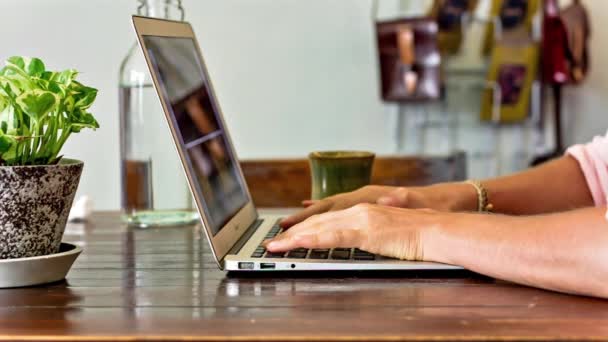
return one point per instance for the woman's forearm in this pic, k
(556, 186)
(566, 252)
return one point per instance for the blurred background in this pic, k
(295, 76)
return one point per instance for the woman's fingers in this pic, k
(308, 203)
(388, 231)
(314, 209)
(403, 198)
(396, 198)
(329, 230)
(324, 238)
(367, 194)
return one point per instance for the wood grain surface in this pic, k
(162, 285)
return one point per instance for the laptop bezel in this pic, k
(233, 230)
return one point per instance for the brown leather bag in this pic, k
(410, 62)
(578, 28)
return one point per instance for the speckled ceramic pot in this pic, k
(34, 205)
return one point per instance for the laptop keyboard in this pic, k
(316, 254)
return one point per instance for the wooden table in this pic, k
(161, 284)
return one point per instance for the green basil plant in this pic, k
(39, 109)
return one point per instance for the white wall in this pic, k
(292, 75)
(586, 107)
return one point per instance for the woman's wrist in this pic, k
(439, 238)
(456, 196)
(432, 237)
(458, 238)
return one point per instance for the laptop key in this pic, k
(318, 255)
(340, 254)
(297, 255)
(274, 255)
(300, 250)
(257, 254)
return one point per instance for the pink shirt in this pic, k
(593, 160)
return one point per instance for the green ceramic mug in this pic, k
(335, 172)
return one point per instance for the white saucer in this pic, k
(38, 270)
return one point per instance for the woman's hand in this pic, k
(442, 197)
(367, 194)
(548, 251)
(389, 231)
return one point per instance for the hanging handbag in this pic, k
(511, 16)
(565, 58)
(555, 51)
(513, 70)
(578, 28)
(409, 58)
(449, 15)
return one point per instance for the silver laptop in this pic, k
(233, 227)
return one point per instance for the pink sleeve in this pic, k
(593, 160)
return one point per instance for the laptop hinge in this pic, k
(245, 237)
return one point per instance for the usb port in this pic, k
(267, 266)
(246, 265)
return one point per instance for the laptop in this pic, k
(234, 228)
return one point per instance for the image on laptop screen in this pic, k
(201, 134)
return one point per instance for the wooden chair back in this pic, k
(276, 183)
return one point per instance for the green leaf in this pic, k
(4, 102)
(11, 70)
(5, 143)
(16, 66)
(65, 77)
(86, 100)
(54, 87)
(17, 61)
(37, 103)
(83, 96)
(7, 119)
(34, 67)
(14, 75)
(8, 147)
(69, 103)
(8, 90)
(48, 75)
(17, 83)
(82, 119)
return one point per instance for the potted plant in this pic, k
(39, 110)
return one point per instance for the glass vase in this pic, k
(154, 188)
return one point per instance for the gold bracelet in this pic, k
(483, 203)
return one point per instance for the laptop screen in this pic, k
(201, 134)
